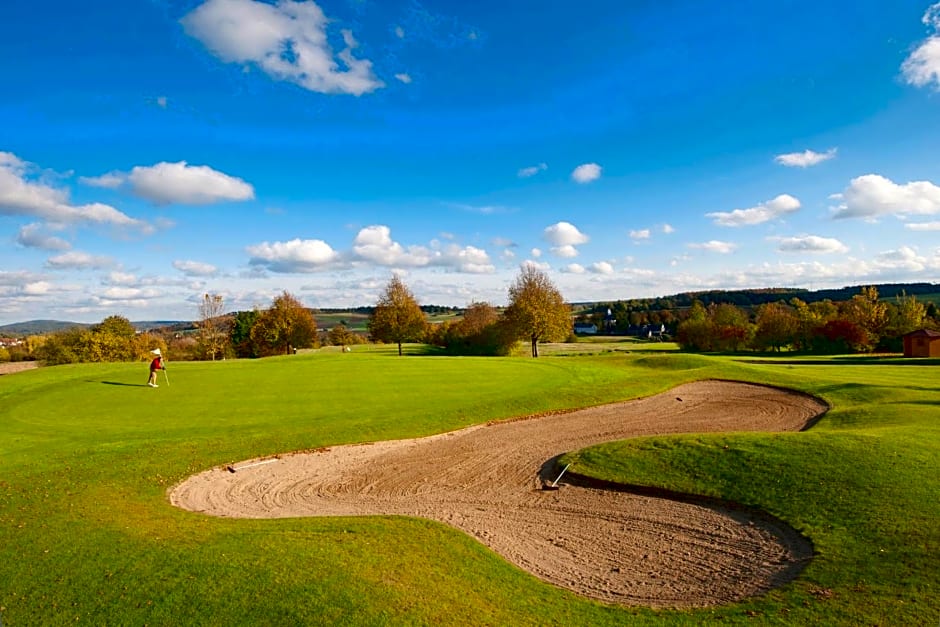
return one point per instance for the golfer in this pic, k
(156, 364)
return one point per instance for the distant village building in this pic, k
(585, 328)
(922, 343)
(7, 342)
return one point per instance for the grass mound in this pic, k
(673, 361)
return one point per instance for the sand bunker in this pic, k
(487, 481)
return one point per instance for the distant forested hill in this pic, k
(40, 327)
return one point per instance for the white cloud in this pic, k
(399, 32)
(531, 170)
(469, 259)
(111, 180)
(32, 236)
(922, 67)
(296, 255)
(195, 268)
(128, 294)
(764, 212)
(503, 242)
(922, 226)
(903, 258)
(810, 244)
(161, 102)
(567, 251)
(873, 196)
(24, 197)
(805, 159)
(601, 267)
(529, 263)
(181, 183)
(574, 268)
(565, 237)
(19, 277)
(640, 234)
(667, 229)
(536, 252)
(375, 244)
(287, 40)
(586, 172)
(120, 278)
(76, 260)
(565, 234)
(715, 246)
(404, 78)
(37, 288)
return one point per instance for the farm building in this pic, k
(585, 328)
(922, 343)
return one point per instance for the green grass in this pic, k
(87, 454)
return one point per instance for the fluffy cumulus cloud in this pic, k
(565, 237)
(872, 196)
(805, 159)
(586, 172)
(904, 258)
(294, 256)
(34, 236)
(20, 195)
(166, 183)
(76, 260)
(531, 170)
(810, 244)
(922, 67)
(195, 268)
(287, 40)
(574, 268)
(468, 259)
(715, 246)
(778, 207)
(404, 78)
(375, 244)
(640, 234)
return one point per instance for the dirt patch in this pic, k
(488, 481)
(12, 367)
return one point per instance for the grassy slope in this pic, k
(86, 456)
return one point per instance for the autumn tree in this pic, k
(869, 314)
(478, 332)
(287, 325)
(536, 309)
(339, 335)
(397, 317)
(212, 336)
(776, 327)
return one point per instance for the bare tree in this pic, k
(536, 309)
(212, 335)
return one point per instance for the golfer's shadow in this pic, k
(131, 385)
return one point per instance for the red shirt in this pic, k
(155, 364)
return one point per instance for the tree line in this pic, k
(536, 313)
(864, 323)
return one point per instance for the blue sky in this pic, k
(153, 151)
